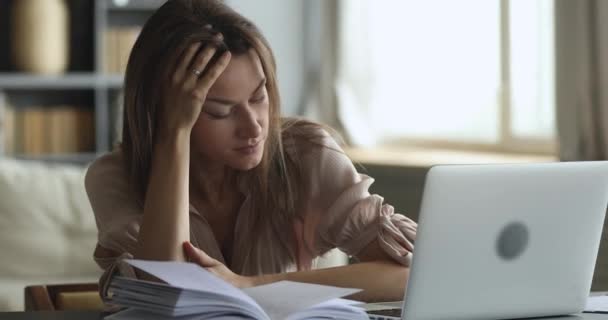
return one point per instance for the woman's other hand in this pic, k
(198, 256)
(189, 84)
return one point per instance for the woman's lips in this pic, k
(249, 149)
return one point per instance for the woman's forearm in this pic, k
(165, 224)
(380, 280)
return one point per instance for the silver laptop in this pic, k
(506, 241)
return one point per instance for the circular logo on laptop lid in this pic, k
(512, 241)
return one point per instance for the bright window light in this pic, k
(532, 74)
(435, 70)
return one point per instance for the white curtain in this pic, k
(353, 72)
(336, 85)
(392, 77)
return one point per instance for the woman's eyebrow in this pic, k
(226, 101)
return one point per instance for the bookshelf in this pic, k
(100, 35)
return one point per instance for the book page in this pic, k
(189, 276)
(597, 304)
(278, 300)
(135, 314)
(283, 298)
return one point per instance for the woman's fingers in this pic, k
(198, 256)
(213, 72)
(195, 72)
(184, 62)
(199, 65)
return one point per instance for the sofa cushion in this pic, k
(47, 227)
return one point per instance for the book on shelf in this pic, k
(188, 291)
(118, 42)
(33, 130)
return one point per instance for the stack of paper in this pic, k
(597, 304)
(191, 292)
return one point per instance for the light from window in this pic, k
(435, 70)
(532, 69)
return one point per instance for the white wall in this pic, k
(282, 22)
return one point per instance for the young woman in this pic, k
(209, 172)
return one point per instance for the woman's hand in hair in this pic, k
(189, 84)
(198, 256)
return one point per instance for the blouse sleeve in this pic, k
(117, 214)
(345, 214)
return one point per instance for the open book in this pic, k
(191, 292)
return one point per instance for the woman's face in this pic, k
(233, 125)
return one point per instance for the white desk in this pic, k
(590, 316)
(583, 316)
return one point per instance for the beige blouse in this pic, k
(341, 213)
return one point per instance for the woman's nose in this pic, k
(249, 127)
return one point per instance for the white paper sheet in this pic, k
(278, 300)
(597, 303)
(183, 275)
(283, 298)
(189, 276)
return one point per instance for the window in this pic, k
(474, 73)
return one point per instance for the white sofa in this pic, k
(48, 231)
(47, 228)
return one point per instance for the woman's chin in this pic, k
(247, 165)
(247, 168)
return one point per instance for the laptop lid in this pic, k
(507, 241)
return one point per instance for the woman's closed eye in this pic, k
(218, 116)
(258, 99)
(221, 111)
(218, 112)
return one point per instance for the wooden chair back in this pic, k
(81, 296)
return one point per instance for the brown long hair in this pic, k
(179, 23)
